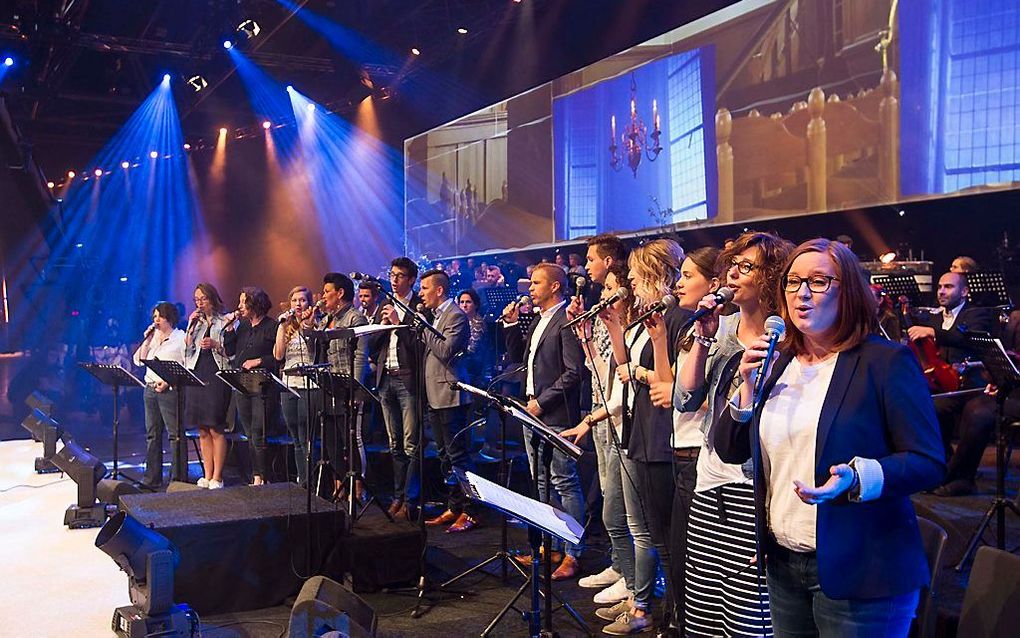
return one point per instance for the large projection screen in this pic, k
(765, 109)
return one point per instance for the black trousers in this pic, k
(447, 426)
(685, 479)
(657, 485)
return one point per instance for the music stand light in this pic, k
(86, 471)
(46, 430)
(149, 560)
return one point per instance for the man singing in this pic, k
(552, 381)
(447, 412)
(395, 353)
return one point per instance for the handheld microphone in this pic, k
(722, 296)
(621, 293)
(666, 302)
(192, 321)
(775, 331)
(149, 331)
(286, 315)
(579, 283)
(358, 276)
(520, 301)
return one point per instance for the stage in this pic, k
(57, 583)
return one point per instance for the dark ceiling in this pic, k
(84, 65)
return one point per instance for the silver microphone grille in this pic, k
(775, 326)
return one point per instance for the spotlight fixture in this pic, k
(98, 172)
(887, 258)
(227, 44)
(125, 164)
(187, 146)
(462, 31)
(290, 88)
(50, 184)
(197, 83)
(166, 78)
(149, 560)
(223, 130)
(153, 154)
(248, 29)
(86, 471)
(71, 174)
(310, 107)
(8, 61)
(415, 51)
(47, 431)
(267, 125)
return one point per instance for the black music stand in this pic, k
(116, 377)
(897, 286)
(1006, 377)
(544, 440)
(543, 520)
(496, 298)
(179, 378)
(503, 554)
(987, 288)
(257, 382)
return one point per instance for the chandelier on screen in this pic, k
(634, 137)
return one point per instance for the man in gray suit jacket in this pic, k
(447, 412)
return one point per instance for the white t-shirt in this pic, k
(789, 429)
(687, 425)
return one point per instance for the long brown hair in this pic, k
(857, 311)
(294, 323)
(620, 271)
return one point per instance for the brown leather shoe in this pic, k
(463, 524)
(567, 569)
(394, 506)
(443, 519)
(525, 559)
(402, 513)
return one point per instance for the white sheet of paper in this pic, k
(547, 517)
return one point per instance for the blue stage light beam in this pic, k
(271, 103)
(121, 241)
(355, 182)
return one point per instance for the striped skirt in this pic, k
(725, 597)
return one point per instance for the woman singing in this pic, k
(847, 433)
(251, 346)
(647, 431)
(163, 341)
(697, 278)
(724, 596)
(292, 348)
(206, 405)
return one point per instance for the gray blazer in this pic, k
(444, 360)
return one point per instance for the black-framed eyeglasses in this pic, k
(398, 275)
(744, 267)
(815, 283)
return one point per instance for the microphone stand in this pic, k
(419, 325)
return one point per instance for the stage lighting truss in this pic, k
(197, 83)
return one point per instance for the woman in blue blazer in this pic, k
(846, 433)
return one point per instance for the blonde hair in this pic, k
(656, 265)
(293, 323)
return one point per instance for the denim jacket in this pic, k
(722, 361)
(198, 331)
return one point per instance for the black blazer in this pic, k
(379, 344)
(651, 429)
(558, 368)
(878, 407)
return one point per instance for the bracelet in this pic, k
(706, 341)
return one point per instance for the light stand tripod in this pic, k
(1006, 377)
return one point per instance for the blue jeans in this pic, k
(799, 608)
(565, 480)
(646, 560)
(161, 414)
(614, 511)
(402, 431)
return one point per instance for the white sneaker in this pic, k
(613, 594)
(604, 578)
(203, 483)
(215, 485)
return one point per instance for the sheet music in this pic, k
(554, 521)
(372, 328)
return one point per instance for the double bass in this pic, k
(941, 376)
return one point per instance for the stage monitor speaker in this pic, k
(180, 486)
(325, 605)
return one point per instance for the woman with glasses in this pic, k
(250, 346)
(206, 406)
(847, 432)
(724, 596)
